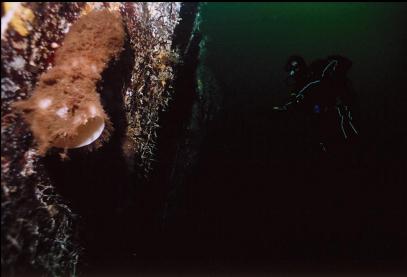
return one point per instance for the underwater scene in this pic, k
(202, 138)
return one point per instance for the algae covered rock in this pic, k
(51, 57)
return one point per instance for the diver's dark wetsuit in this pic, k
(323, 165)
(324, 98)
(327, 153)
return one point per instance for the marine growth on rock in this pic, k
(65, 109)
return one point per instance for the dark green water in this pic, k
(245, 199)
(248, 45)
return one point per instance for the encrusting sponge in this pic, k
(65, 109)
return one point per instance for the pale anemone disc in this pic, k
(85, 134)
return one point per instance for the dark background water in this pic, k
(248, 45)
(256, 198)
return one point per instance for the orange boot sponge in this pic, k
(65, 109)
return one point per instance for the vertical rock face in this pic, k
(36, 219)
(150, 27)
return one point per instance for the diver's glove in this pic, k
(279, 108)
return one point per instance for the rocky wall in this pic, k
(38, 223)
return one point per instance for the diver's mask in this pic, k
(293, 71)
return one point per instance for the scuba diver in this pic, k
(322, 92)
(322, 156)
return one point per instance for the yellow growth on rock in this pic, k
(21, 19)
(65, 109)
